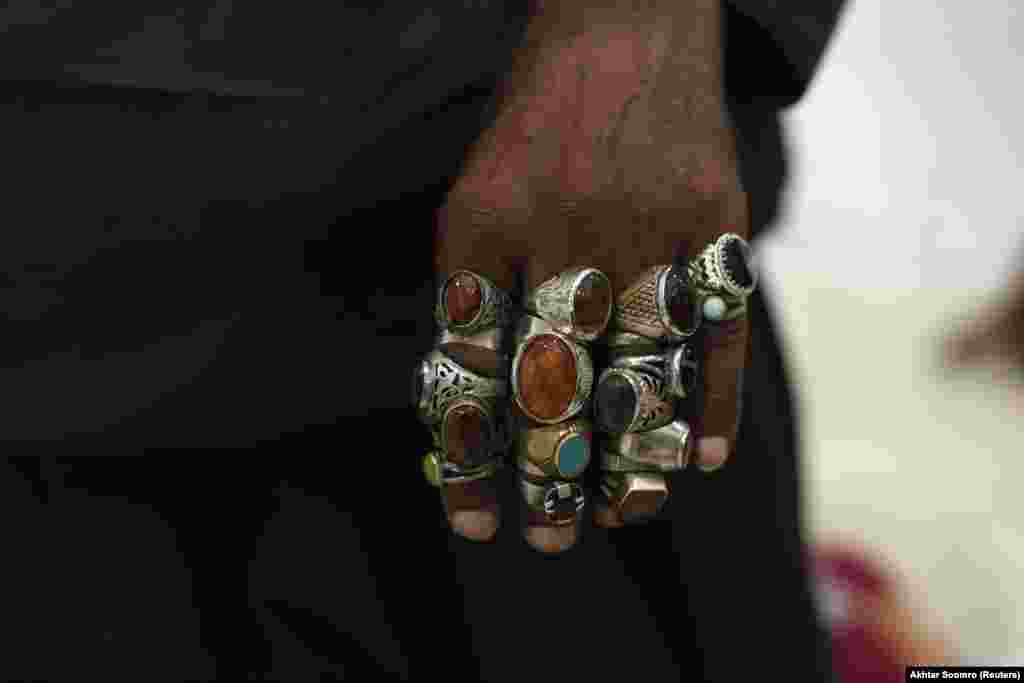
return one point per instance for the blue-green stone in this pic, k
(573, 455)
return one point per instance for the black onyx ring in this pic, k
(631, 400)
(659, 305)
(723, 275)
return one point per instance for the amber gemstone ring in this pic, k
(665, 449)
(636, 496)
(468, 303)
(631, 400)
(552, 375)
(577, 302)
(660, 305)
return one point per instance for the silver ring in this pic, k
(659, 305)
(528, 337)
(677, 367)
(725, 267)
(490, 443)
(635, 495)
(439, 472)
(560, 451)
(481, 304)
(665, 449)
(630, 342)
(631, 401)
(492, 339)
(556, 300)
(437, 381)
(560, 501)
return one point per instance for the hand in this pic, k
(993, 336)
(611, 149)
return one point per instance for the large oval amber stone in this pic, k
(468, 434)
(546, 377)
(677, 299)
(591, 303)
(462, 299)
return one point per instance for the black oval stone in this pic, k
(677, 298)
(615, 403)
(737, 262)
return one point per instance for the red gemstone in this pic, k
(546, 377)
(462, 299)
(468, 436)
(592, 302)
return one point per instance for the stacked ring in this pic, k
(438, 380)
(636, 496)
(666, 449)
(723, 275)
(469, 303)
(559, 501)
(677, 367)
(439, 472)
(560, 451)
(659, 306)
(628, 400)
(576, 302)
(552, 375)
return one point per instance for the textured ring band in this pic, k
(552, 375)
(631, 401)
(438, 380)
(468, 303)
(724, 275)
(676, 366)
(665, 449)
(659, 305)
(492, 339)
(576, 302)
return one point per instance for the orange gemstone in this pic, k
(677, 298)
(468, 436)
(546, 377)
(592, 302)
(462, 299)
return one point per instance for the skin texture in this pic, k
(611, 149)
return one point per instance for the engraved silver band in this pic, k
(438, 381)
(676, 366)
(554, 300)
(530, 327)
(492, 339)
(666, 449)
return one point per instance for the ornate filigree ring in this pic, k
(576, 302)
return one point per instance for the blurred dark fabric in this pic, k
(217, 228)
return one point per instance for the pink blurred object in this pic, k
(860, 654)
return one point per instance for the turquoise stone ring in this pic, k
(560, 451)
